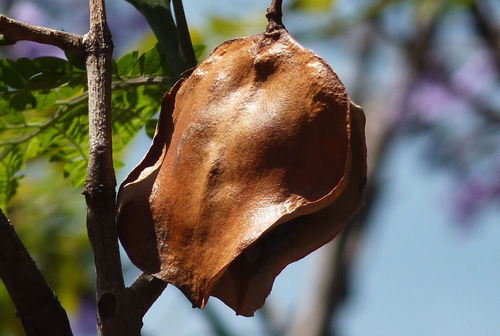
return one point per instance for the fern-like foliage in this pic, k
(43, 111)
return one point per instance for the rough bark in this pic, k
(100, 183)
(119, 310)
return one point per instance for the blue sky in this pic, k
(419, 272)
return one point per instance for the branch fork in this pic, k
(120, 309)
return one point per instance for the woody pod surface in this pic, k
(258, 159)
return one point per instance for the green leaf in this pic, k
(26, 67)
(45, 100)
(11, 161)
(3, 86)
(4, 106)
(53, 65)
(49, 130)
(151, 127)
(46, 115)
(33, 149)
(312, 5)
(114, 67)
(151, 63)
(10, 75)
(225, 27)
(132, 108)
(14, 118)
(126, 63)
(138, 68)
(75, 170)
(54, 72)
(75, 60)
(20, 101)
(159, 17)
(67, 91)
(198, 50)
(155, 63)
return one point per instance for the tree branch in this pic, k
(37, 306)
(185, 45)
(145, 291)
(100, 183)
(14, 30)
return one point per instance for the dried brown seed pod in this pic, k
(258, 159)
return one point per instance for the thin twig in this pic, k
(274, 16)
(43, 125)
(141, 81)
(14, 30)
(123, 83)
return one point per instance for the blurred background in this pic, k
(421, 258)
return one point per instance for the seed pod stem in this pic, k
(274, 15)
(185, 45)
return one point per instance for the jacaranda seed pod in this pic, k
(258, 159)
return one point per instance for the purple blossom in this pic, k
(30, 13)
(474, 193)
(431, 101)
(84, 324)
(33, 50)
(476, 75)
